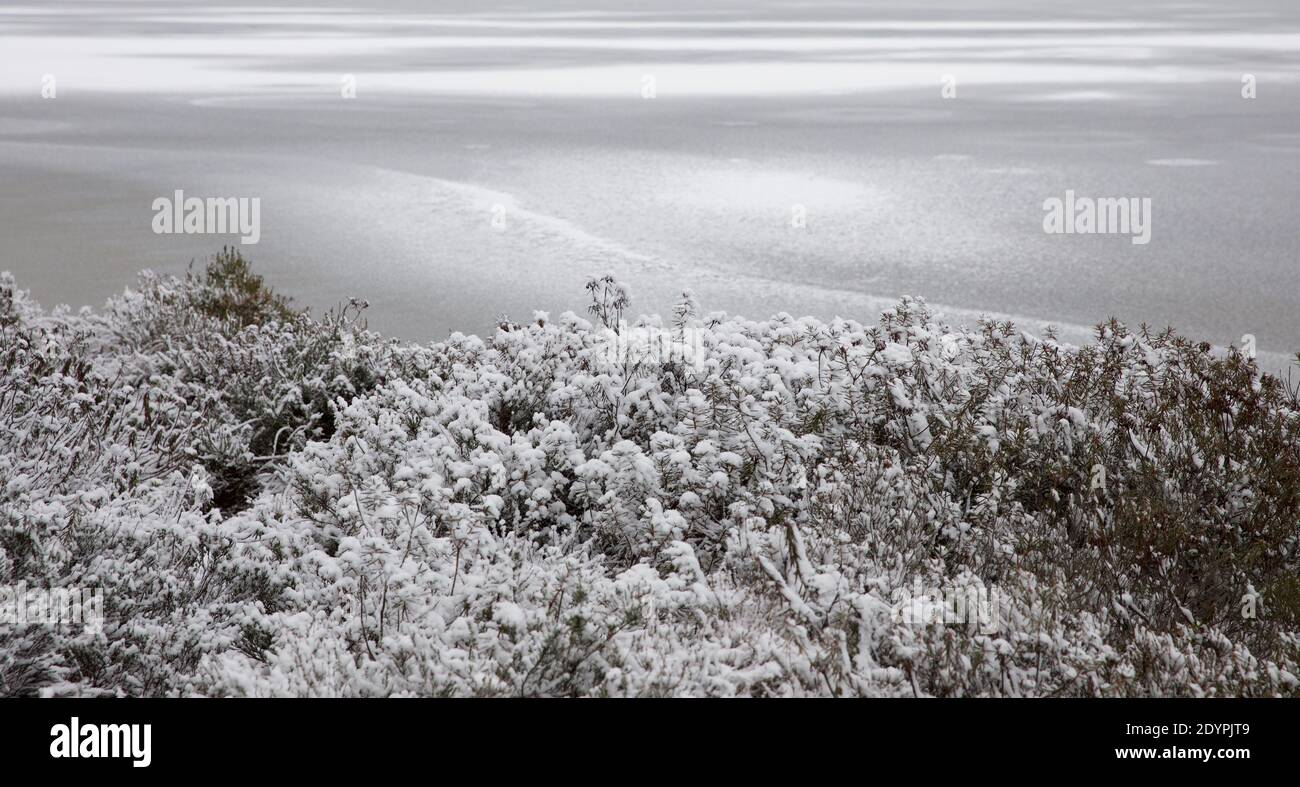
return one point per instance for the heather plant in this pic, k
(229, 291)
(267, 373)
(281, 505)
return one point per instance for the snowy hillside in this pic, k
(595, 505)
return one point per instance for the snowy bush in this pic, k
(277, 505)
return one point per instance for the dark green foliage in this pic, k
(229, 291)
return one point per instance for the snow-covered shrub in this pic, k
(531, 515)
(267, 374)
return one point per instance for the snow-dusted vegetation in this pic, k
(280, 505)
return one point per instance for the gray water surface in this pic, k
(538, 117)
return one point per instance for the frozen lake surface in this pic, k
(494, 157)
